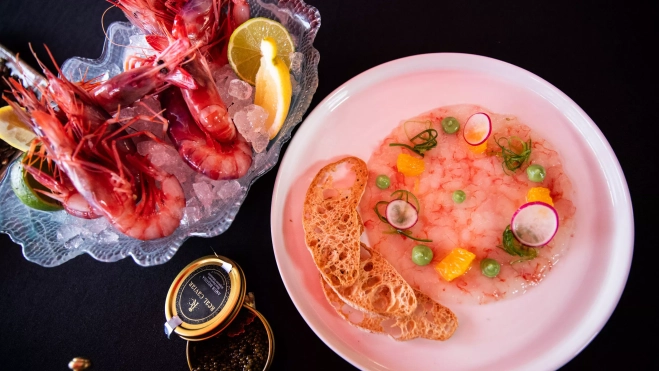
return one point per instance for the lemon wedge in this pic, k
(273, 87)
(13, 130)
(244, 49)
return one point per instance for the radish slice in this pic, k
(535, 223)
(477, 129)
(401, 214)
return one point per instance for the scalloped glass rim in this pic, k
(36, 231)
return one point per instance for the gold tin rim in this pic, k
(268, 330)
(227, 313)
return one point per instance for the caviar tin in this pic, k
(207, 305)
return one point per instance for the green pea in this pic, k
(536, 173)
(421, 255)
(450, 125)
(382, 182)
(490, 267)
(459, 196)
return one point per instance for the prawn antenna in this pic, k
(105, 31)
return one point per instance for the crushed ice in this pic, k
(250, 122)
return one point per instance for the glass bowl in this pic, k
(50, 239)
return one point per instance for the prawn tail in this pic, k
(159, 209)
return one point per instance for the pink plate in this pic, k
(540, 330)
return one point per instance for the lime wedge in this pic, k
(24, 186)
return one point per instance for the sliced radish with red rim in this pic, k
(534, 224)
(401, 214)
(477, 129)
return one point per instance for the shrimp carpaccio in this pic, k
(478, 223)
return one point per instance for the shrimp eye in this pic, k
(160, 61)
(164, 70)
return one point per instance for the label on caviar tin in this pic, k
(203, 294)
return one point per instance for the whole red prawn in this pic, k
(202, 23)
(201, 152)
(103, 173)
(204, 134)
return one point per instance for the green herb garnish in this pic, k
(408, 234)
(515, 152)
(377, 212)
(423, 142)
(400, 194)
(516, 248)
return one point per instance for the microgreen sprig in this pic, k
(423, 142)
(400, 194)
(516, 248)
(515, 152)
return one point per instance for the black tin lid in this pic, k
(204, 298)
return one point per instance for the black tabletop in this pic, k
(599, 53)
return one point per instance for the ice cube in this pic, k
(74, 242)
(161, 155)
(146, 147)
(97, 225)
(201, 178)
(260, 142)
(222, 74)
(126, 113)
(204, 193)
(68, 231)
(257, 116)
(191, 215)
(240, 89)
(250, 122)
(296, 59)
(148, 106)
(158, 129)
(229, 190)
(181, 171)
(217, 184)
(107, 237)
(241, 121)
(237, 106)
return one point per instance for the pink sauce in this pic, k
(476, 224)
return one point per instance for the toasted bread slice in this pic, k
(380, 288)
(332, 225)
(430, 320)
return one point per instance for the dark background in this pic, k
(600, 53)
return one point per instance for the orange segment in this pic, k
(410, 166)
(541, 194)
(474, 135)
(481, 148)
(455, 264)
